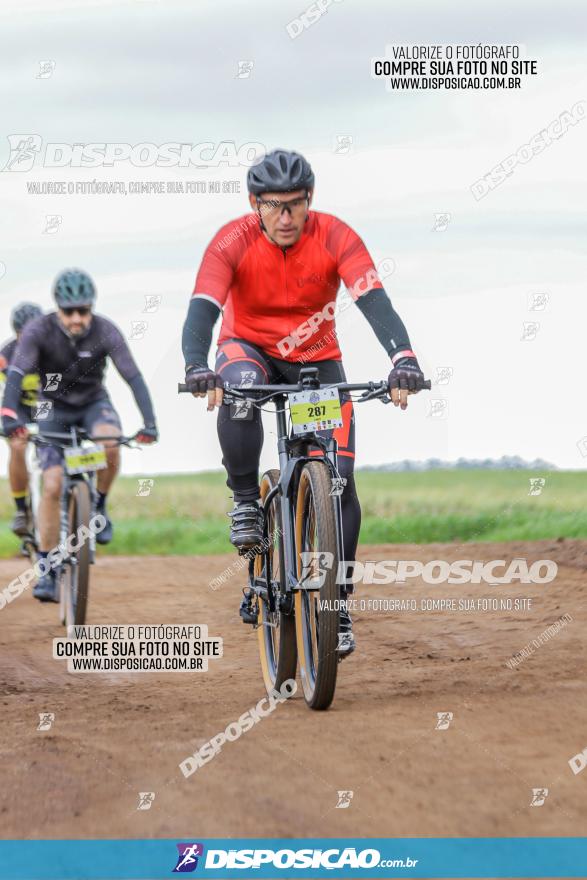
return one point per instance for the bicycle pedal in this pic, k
(249, 616)
(251, 550)
(247, 610)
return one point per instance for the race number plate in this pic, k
(81, 459)
(317, 410)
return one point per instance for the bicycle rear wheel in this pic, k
(75, 572)
(276, 631)
(317, 610)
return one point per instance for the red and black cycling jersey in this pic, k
(268, 292)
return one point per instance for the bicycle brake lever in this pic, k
(375, 393)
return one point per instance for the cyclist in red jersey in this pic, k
(274, 274)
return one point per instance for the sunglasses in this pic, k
(81, 310)
(274, 206)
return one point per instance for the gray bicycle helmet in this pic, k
(74, 288)
(280, 171)
(22, 314)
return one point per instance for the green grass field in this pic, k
(186, 514)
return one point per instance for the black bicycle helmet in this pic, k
(74, 288)
(24, 313)
(280, 171)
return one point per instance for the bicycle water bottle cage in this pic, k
(309, 377)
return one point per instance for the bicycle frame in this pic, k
(75, 437)
(292, 452)
(67, 483)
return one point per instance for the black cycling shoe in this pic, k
(246, 529)
(46, 588)
(346, 640)
(105, 536)
(21, 525)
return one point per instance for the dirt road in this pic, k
(512, 730)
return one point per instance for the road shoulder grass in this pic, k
(186, 514)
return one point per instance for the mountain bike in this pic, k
(83, 456)
(293, 587)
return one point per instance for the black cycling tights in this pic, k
(241, 440)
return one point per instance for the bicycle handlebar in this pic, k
(373, 388)
(53, 438)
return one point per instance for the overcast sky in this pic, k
(158, 72)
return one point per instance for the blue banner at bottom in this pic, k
(529, 857)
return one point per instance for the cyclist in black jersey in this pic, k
(69, 349)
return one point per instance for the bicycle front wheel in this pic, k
(317, 602)
(276, 630)
(75, 572)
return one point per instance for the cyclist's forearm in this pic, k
(197, 331)
(143, 399)
(12, 390)
(385, 321)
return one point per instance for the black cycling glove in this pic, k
(199, 380)
(407, 375)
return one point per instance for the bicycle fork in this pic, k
(286, 482)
